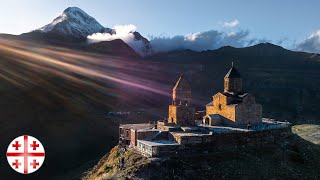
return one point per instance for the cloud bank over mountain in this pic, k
(202, 41)
(311, 43)
(199, 41)
(123, 32)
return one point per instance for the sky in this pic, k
(290, 23)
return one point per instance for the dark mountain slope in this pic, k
(285, 82)
(115, 47)
(62, 96)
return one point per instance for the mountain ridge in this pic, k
(75, 25)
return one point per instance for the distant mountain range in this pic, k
(74, 25)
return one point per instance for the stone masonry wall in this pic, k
(220, 107)
(182, 115)
(235, 139)
(232, 85)
(249, 113)
(133, 139)
(242, 113)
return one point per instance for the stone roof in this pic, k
(233, 73)
(137, 126)
(214, 116)
(210, 103)
(182, 84)
(243, 95)
(191, 134)
(240, 95)
(228, 94)
(236, 99)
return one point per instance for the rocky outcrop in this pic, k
(291, 157)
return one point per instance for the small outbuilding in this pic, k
(212, 120)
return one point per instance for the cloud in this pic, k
(125, 29)
(123, 32)
(202, 41)
(198, 41)
(233, 23)
(311, 43)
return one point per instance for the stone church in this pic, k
(230, 107)
(233, 106)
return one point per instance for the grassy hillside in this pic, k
(290, 158)
(309, 132)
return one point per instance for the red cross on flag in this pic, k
(25, 154)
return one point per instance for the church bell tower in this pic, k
(233, 81)
(181, 111)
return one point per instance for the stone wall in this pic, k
(172, 116)
(213, 120)
(194, 140)
(234, 114)
(248, 112)
(235, 139)
(166, 150)
(133, 139)
(145, 149)
(124, 135)
(182, 115)
(156, 151)
(227, 112)
(181, 96)
(232, 85)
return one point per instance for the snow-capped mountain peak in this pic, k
(73, 22)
